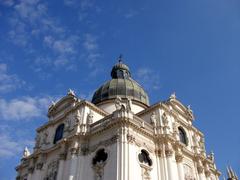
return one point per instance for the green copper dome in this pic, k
(121, 85)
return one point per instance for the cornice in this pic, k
(112, 100)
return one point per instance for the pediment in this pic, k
(62, 104)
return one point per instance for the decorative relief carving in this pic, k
(84, 148)
(52, 171)
(99, 161)
(168, 150)
(39, 165)
(121, 106)
(145, 172)
(131, 138)
(31, 169)
(38, 141)
(188, 172)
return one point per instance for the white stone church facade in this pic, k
(118, 136)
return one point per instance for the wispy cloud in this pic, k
(30, 22)
(25, 108)
(10, 146)
(8, 82)
(148, 78)
(93, 55)
(130, 14)
(7, 2)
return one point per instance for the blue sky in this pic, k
(189, 47)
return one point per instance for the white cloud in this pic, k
(148, 78)
(90, 42)
(7, 2)
(93, 55)
(62, 46)
(25, 108)
(8, 82)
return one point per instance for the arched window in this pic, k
(58, 133)
(182, 135)
(101, 156)
(143, 157)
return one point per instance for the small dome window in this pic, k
(144, 158)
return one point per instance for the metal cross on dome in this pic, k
(120, 58)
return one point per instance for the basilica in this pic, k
(119, 136)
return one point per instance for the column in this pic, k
(37, 175)
(30, 173)
(179, 159)
(201, 173)
(169, 156)
(62, 158)
(73, 164)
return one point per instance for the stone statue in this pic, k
(38, 140)
(173, 95)
(165, 119)
(26, 152)
(90, 117)
(45, 138)
(153, 119)
(118, 103)
(129, 104)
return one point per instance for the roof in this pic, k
(121, 85)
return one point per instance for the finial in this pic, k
(26, 152)
(53, 103)
(71, 92)
(120, 58)
(173, 95)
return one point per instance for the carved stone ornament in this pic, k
(175, 131)
(90, 117)
(68, 124)
(38, 140)
(146, 170)
(200, 169)
(45, 138)
(84, 148)
(165, 119)
(118, 103)
(31, 169)
(188, 172)
(39, 165)
(26, 152)
(168, 150)
(52, 171)
(129, 105)
(71, 92)
(62, 156)
(179, 157)
(153, 119)
(99, 170)
(173, 95)
(130, 138)
(78, 117)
